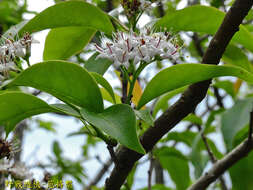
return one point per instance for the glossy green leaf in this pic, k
(177, 166)
(184, 74)
(99, 65)
(203, 19)
(16, 106)
(103, 82)
(66, 81)
(162, 103)
(119, 122)
(61, 43)
(234, 119)
(70, 13)
(108, 97)
(186, 137)
(145, 116)
(63, 108)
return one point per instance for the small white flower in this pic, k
(10, 49)
(20, 171)
(145, 5)
(126, 47)
(19, 50)
(7, 66)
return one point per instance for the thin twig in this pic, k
(213, 160)
(218, 97)
(222, 165)
(100, 174)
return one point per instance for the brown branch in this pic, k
(189, 99)
(197, 43)
(218, 97)
(222, 165)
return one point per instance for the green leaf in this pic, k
(177, 166)
(240, 173)
(61, 43)
(226, 85)
(145, 116)
(193, 119)
(203, 19)
(108, 97)
(234, 119)
(157, 187)
(211, 118)
(235, 56)
(99, 66)
(197, 157)
(70, 13)
(103, 82)
(57, 149)
(186, 137)
(63, 108)
(16, 106)
(46, 125)
(162, 103)
(119, 122)
(184, 74)
(66, 81)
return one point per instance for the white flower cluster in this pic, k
(126, 47)
(20, 171)
(10, 49)
(145, 5)
(17, 170)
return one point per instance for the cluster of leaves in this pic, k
(83, 89)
